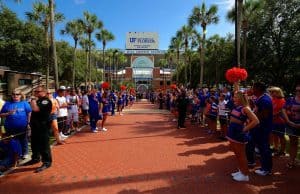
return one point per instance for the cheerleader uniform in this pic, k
(235, 130)
(294, 108)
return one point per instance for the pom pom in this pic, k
(236, 74)
(122, 87)
(105, 85)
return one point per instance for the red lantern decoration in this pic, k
(122, 87)
(173, 86)
(236, 74)
(105, 85)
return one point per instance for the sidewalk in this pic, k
(144, 152)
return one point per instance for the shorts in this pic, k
(235, 133)
(278, 129)
(223, 120)
(53, 117)
(211, 117)
(85, 112)
(292, 131)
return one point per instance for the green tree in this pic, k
(41, 16)
(203, 17)
(274, 43)
(86, 44)
(73, 28)
(90, 23)
(104, 36)
(21, 44)
(175, 46)
(186, 33)
(250, 10)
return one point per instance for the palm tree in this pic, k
(73, 28)
(175, 46)
(248, 11)
(41, 16)
(52, 42)
(86, 44)
(104, 36)
(186, 33)
(90, 23)
(203, 17)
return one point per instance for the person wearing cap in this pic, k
(63, 111)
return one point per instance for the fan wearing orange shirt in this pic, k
(278, 131)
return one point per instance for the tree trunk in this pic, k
(86, 67)
(103, 62)
(52, 44)
(74, 62)
(177, 73)
(89, 62)
(245, 29)
(202, 53)
(46, 59)
(185, 65)
(238, 31)
(190, 65)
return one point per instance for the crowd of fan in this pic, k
(71, 109)
(254, 120)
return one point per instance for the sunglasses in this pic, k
(38, 91)
(15, 94)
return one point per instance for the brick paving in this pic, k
(143, 152)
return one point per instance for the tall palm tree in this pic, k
(104, 36)
(90, 23)
(186, 33)
(86, 44)
(175, 46)
(203, 17)
(52, 42)
(73, 28)
(41, 16)
(248, 11)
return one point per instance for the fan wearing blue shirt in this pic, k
(17, 114)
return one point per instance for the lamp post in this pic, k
(114, 63)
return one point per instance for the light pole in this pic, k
(114, 63)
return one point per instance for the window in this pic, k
(25, 82)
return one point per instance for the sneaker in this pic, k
(63, 135)
(241, 177)
(174, 120)
(262, 172)
(235, 173)
(26, 156)
(95, 131)
(104, 129)
(251, 164)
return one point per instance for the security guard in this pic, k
(40, 129)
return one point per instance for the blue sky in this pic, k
(121, 16)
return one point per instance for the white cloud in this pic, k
(228, 4)
(78, 2)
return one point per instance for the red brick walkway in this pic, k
(145, 153)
